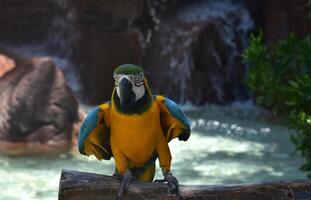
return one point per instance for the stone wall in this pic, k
(97, 36)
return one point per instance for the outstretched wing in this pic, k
(94, 136)
(174, 122)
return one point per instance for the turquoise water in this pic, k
(228, 145)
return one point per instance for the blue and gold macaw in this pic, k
(134, 128)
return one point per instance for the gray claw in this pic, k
(126, 180)
(173, 184)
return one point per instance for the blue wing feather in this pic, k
(176, 112)
(174, 122)
(90, 123)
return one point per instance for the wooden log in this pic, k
(76, 185)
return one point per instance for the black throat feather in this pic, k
(138, 107)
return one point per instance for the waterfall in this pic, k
(192, 52)
(175, 40)
(61, 42)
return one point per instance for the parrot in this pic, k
(134, 128)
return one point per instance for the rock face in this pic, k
(195, 53)
(279, 18)
(191, 49)
(92, 36)
(108, 38)
(37, 109)
(26, 21)
(99, 55)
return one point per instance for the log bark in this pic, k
(76, 185)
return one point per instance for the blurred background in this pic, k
(57, 58)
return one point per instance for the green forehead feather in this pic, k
(128, 69)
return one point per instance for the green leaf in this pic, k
(280, 77)
(293, 84)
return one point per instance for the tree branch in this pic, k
(76, 185)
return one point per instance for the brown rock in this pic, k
(37, 109)
(6, 65)
(96, 35)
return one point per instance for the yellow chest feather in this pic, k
(136, 136)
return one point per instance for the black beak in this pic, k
(127, 97)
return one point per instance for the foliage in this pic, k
(280, 77)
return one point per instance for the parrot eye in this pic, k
(139, 79)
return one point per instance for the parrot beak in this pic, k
(127, 96)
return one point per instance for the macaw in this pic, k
(134, 128)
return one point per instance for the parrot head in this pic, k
(130, 86)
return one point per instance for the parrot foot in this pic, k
(172, 184)
(125, 182)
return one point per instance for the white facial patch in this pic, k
(137, 82)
